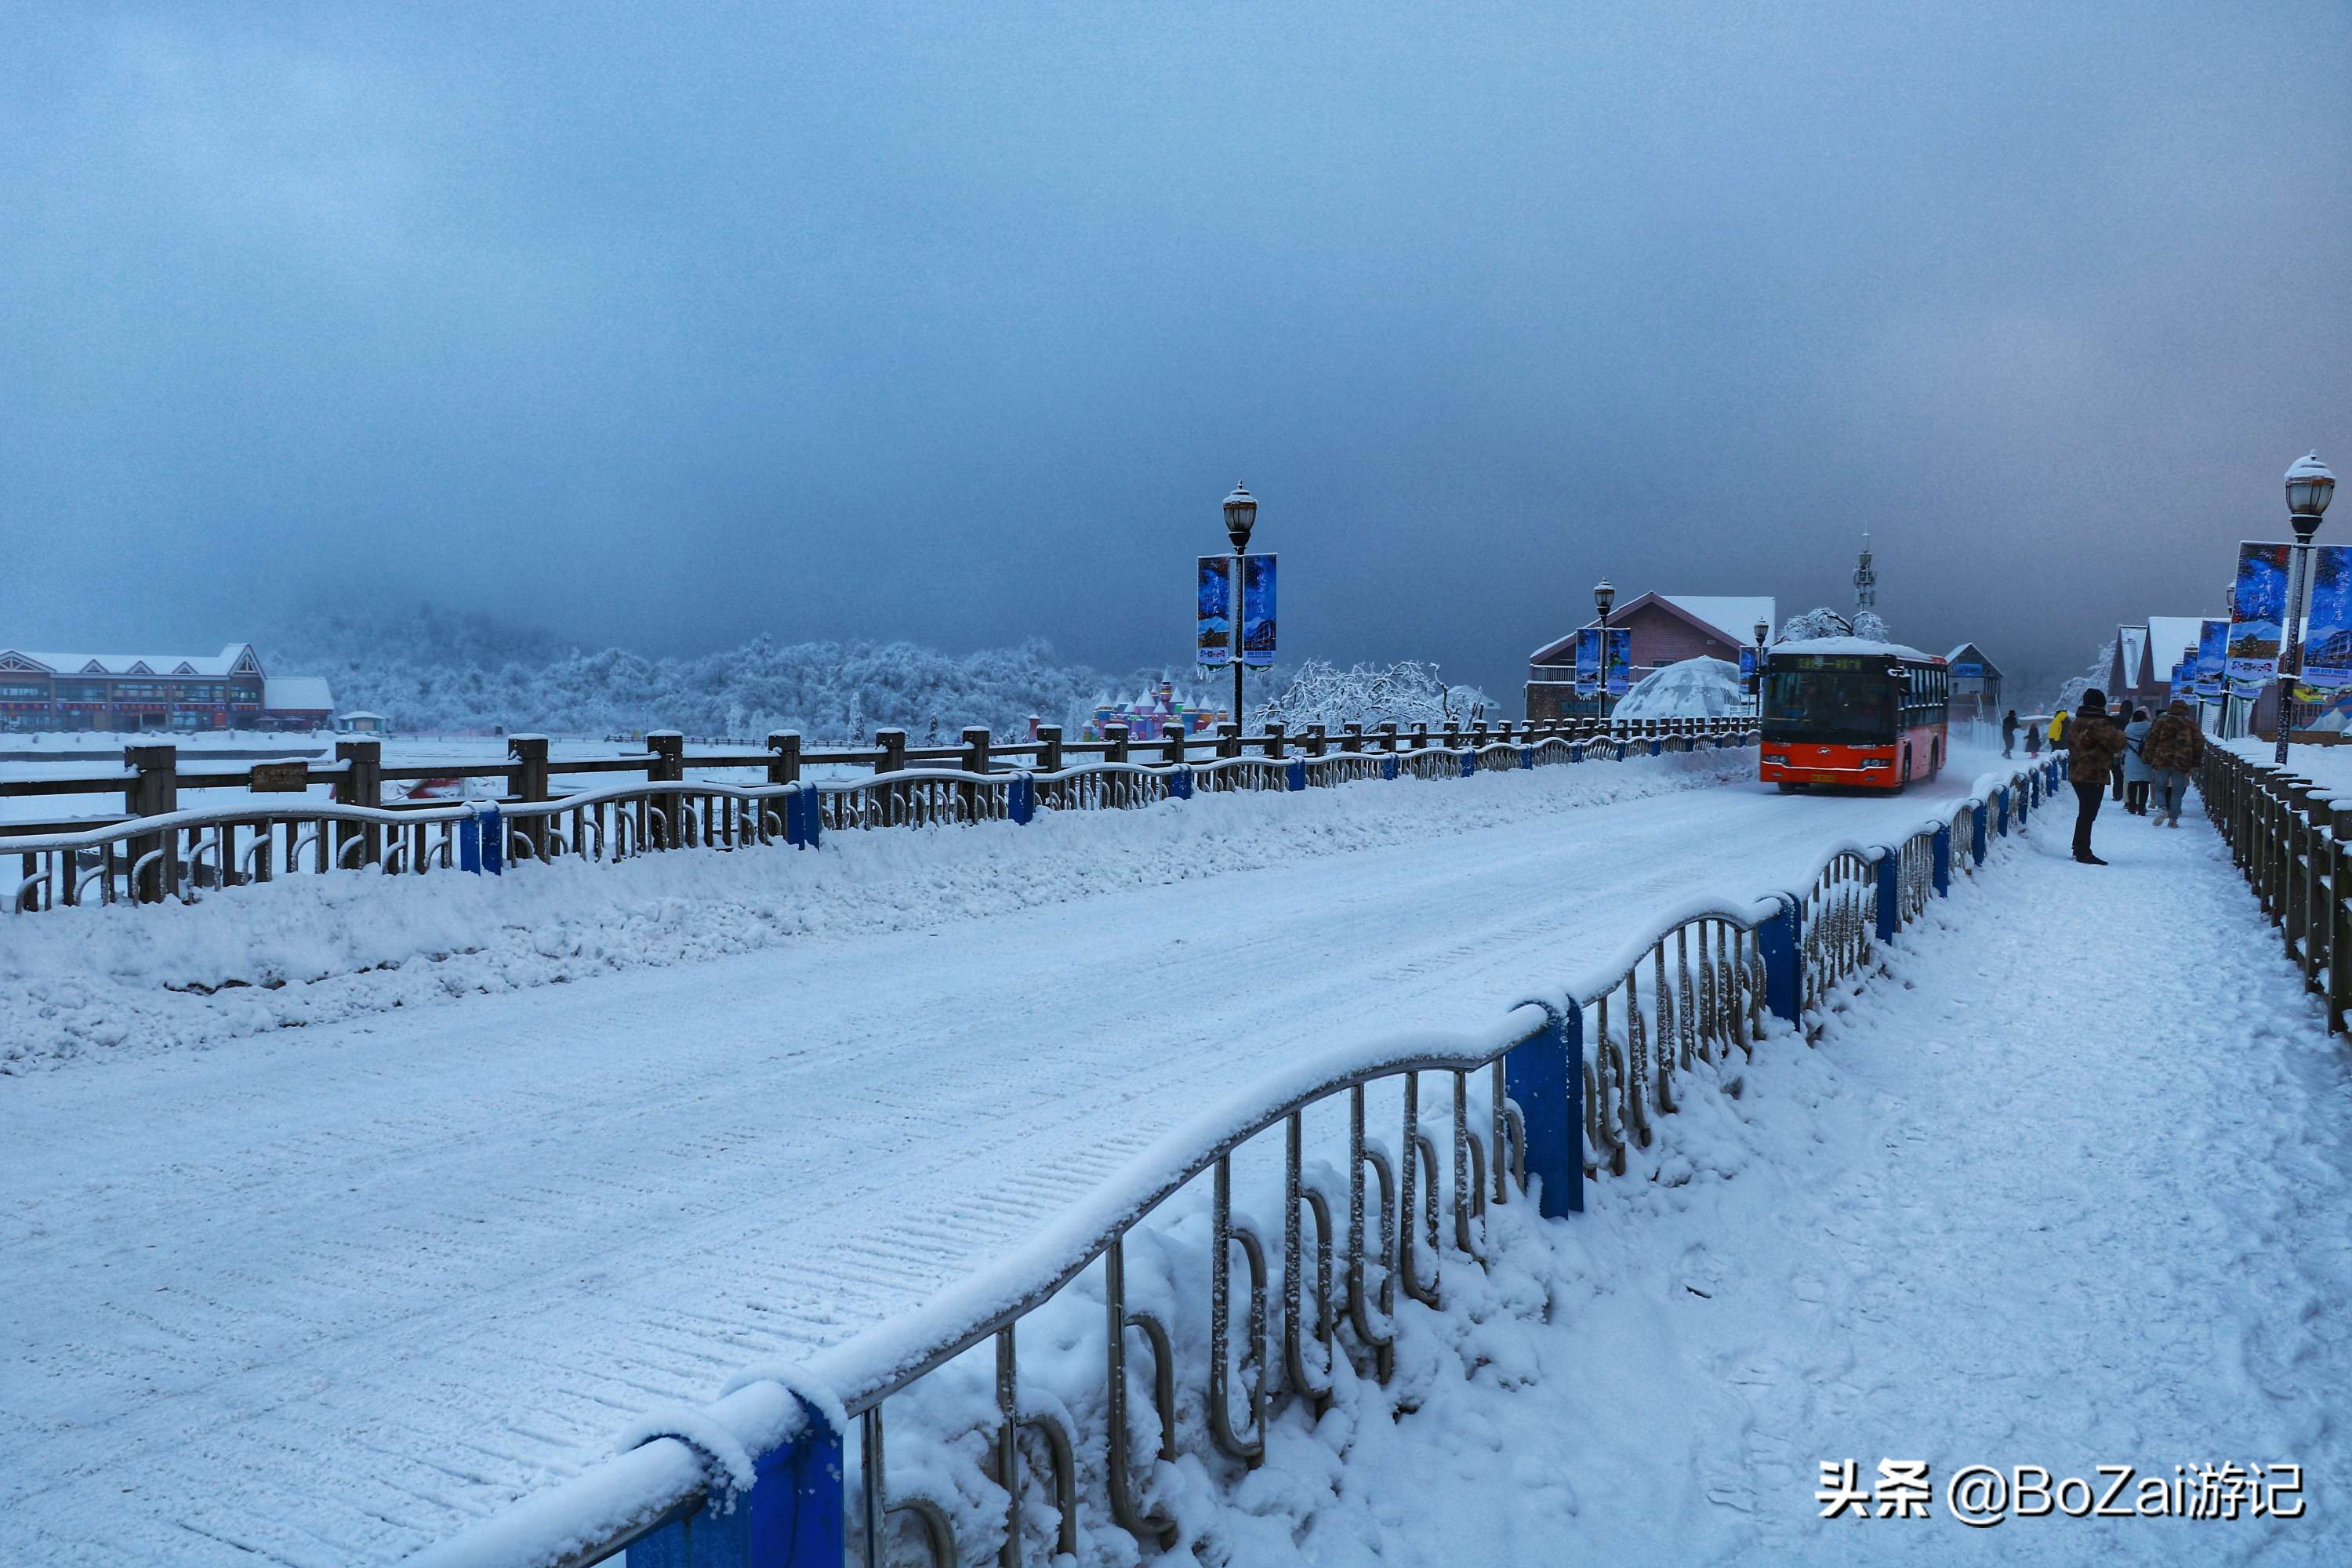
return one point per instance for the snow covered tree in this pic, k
(1407, 692)
(1821, 622)
(1870, 628)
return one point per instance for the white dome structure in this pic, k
(1693, 689)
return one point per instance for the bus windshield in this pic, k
(1830, 707)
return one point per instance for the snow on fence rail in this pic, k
(162, 852)
(1530, 1107)
(2291, 838)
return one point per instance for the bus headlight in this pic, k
(1876, 763)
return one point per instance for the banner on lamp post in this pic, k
(1257, 611)
(1214, 638)
(2212, 654)
(2327, 632)
(1748, 671)
(1620, 660)
(2257, 612)
(1588, 661)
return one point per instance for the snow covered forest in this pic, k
(430, 669)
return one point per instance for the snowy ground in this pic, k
(2330, 765)
(319, 1296)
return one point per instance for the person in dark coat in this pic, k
(2008, 732)
(2094, 744)
(2174, 747)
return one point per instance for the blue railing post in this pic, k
(1944, 861)
(469, 843)
(1977, 831)
(793, 1516)
(1470, 764)
(489, 825)
(1526, 756)
(1179, 784)
(1543, 1074)
(1020, 798)
(1778, 941)
(1890, 892)
(1296, 773)
(1388, 767)
(2000, 801)
(804, 817)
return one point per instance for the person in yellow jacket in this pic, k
(2058, 722)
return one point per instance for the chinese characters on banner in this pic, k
(2257, 612)
(1588, 661)
(1217, 612)
(2327, 635)
(1257, 611)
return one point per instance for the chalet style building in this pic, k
(1665, 628)
(123, 691)
(1975, 683)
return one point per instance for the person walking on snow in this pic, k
(2094, 744)
(2033, 740)
(2174, 746)
(2008, 732)
(2058, 722)
(2136, 772)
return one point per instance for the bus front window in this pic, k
(1849, 708)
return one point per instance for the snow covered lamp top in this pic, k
(2308, 486)
(1240, 516)
(1604, 593)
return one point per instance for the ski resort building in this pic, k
(1666, 629)
(125, 692)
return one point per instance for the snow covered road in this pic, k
(323, 1296)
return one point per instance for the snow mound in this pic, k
(1693, 689)
(1847, 645)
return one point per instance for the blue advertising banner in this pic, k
(1621, 662)
(2257, 612)
(1216, 611)
(2212, 651)
(2184, 680)
(2328, 635)
(1588, 661)
(1746, 670)
(1967, 669)
(1257, 610)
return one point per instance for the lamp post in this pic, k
(1763, 633)
(1240, 516)
(2309, 486)
(1603, 595)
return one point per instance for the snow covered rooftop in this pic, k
(1734, 615)
(297, 693)
(1848, 645)
(2168, 637)
(222, 663)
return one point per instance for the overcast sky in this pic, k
(665, 325)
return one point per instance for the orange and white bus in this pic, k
(1842, 711)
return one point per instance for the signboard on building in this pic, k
(1257, 610)
(1967, 669)
(281, 778)
(2257, 612)
(1215, 636)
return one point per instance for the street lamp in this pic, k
(1763, 634)
(1240, 516)
(1603, 595)
(2309, 486)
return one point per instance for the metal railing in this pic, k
(167, 853)
(2291, 838)
(1558, 1089)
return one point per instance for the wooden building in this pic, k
(1664, 628)
(124, 691)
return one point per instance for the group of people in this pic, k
(2143, 760)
